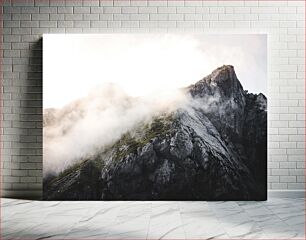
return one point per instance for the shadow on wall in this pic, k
(30, 144)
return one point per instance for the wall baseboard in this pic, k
(37, 194)
(286, 194)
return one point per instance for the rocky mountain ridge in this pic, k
(215, 148)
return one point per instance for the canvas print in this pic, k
(154, 117)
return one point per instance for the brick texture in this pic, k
(24, 22)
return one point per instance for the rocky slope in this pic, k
(215, 148)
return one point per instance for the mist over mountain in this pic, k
(207, 142)
(83, 127)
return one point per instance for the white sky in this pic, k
(73, 64)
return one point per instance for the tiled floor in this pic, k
(273, 219)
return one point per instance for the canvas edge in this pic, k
(37, 194)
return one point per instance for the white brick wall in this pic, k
(24, 22)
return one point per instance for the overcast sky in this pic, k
(141, 64)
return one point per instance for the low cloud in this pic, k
(81, 128)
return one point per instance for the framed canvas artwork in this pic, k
(154, 117)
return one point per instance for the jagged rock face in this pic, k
(216, 152)
(190, 162)
(255, 138)
(225, 97)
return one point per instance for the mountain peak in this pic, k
(229, 68)
(222, 80)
